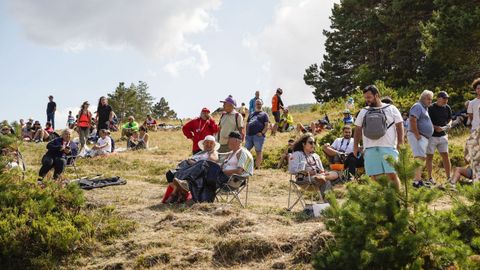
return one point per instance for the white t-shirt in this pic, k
(107, 141)
(474, 108)
(390, 139)
(343, 145)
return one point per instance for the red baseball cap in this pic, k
(206, 110)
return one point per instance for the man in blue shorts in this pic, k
(381, 128)
(257, 126)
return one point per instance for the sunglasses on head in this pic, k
(311, 142)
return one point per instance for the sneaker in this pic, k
(430, 183)
(418, 184)
(40, 183)
(182, 184)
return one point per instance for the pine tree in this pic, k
(162, 110)
(378, 227)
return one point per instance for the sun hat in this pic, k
(209, 138)
(346, 111)
(230, 100)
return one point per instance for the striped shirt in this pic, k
(244, 160)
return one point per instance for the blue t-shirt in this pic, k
(424, 123)
(256, 122)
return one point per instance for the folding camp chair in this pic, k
(232, 189)
(298, 186)
(72, 163)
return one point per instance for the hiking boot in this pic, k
(418, 184)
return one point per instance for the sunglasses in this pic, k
(311, 142)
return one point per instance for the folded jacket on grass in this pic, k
(99, 183)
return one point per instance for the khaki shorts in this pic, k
(440, 143)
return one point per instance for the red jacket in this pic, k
(197, 129)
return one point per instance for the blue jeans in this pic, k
(51, 119)
(254, 140)
(203, 177)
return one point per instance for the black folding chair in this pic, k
(233, 188)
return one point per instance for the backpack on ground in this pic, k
(375, 123)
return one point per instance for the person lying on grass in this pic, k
(203, 178)
(208, 151)
(305, 163)
(56, 157)
(103, 146)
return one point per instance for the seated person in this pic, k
(113, 125)
(39, 134)
(304, 162)
(6, 130)
(56, 156)
(204, 177)
(103, 146)
(150, 123)
(27, 131)
(286, 121)
(347, 117)
(129, 127)
(315, 127)
(139, 140)
(286, 155)
(341, 151)
(208, 151)
(458, 172)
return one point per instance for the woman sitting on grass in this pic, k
(39, 134)
(138, 140)
(209, 151)
(305, 163)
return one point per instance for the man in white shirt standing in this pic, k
(473, 109)
(381, 128)
(341, 151)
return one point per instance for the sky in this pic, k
(192, 52)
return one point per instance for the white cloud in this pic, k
(156, 28)
(290, 43)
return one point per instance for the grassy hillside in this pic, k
(203, 236)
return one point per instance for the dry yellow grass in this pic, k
(204, 236)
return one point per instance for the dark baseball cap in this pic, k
(442, 94)
(235, 134)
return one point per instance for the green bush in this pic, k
(41, 227)
(378, 227)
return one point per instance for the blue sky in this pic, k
(193, 53)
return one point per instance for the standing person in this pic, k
(277, 105)
(104, 114)
(199, 128)
(230, 121)
(251, 107)
(51, 108)
(70, 120)
(381, 128)
(84, 123)
(420, 131)
(474, 106)
(257, 126)
(243, 110)
(56, 156)
(441, 116)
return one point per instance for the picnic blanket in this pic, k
(100, 182)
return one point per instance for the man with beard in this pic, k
(380, 126)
